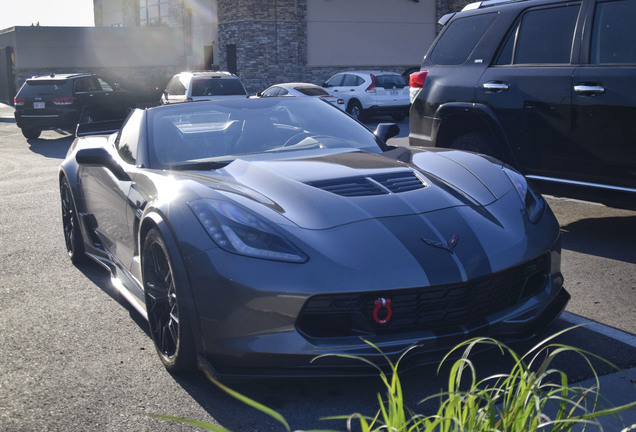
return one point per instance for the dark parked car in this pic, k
(255, 234)
(545, 85)
(61, 101)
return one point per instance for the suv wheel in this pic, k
(31, 133)
(355, 110)
(478, 142)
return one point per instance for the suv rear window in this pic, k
(390, 81)
(216, 87)
(45, 88)
(460, 39)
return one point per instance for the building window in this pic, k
(155, 13)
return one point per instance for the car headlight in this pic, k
(239, 231)
(530, 197)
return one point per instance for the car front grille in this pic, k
(379, 184)
(426, 308)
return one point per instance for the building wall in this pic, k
(196, 19)
(201, 18)
(138, 59)
(310, 40)
(369, 33)
(269, 37)
(270, 41)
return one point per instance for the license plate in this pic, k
(38, 105)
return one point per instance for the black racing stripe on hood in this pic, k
(443, 244)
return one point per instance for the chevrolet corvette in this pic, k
(257, 234)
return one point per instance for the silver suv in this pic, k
(203, 85)
(368, 93)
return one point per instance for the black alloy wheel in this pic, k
(355, 110)
(70, 224)
(168, 322)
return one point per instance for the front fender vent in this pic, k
(378, 184)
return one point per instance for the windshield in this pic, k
(191, 134)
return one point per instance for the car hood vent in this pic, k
(377, 184)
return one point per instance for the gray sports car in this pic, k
(256, 234)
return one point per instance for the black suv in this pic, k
(62, 101)
(548, 86)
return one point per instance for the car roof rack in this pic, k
(487, 3)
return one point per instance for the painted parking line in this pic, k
(621, 336)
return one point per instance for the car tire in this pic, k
(355, 110)
(70, 224)
(477, 142)
(167, 318)
(31, 133)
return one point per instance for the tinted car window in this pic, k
(351, 81)
(390, 81)
(545, 35)
(312, 91)
(105, 86)
(460, 39)
(273, 91)
(335, 81)
(44, 88)
(87, 84)
(216, 87)
(613, 28)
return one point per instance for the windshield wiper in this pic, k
(200, 166)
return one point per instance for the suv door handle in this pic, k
(496, 86)
(585, 89)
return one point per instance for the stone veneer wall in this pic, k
(269, 36)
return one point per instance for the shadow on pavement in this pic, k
(55, 147)
(609, 237)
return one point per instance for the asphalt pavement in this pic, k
(616, 388)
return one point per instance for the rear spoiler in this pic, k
(98, 128)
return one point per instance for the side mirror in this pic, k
(385, 131)
(325, 85)
(100, 157)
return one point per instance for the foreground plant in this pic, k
(533, 396)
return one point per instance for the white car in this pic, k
(369, 93)
(203, 85)
(302, 90)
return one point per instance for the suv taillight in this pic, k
(63, 100)
(371, 88)
(416, 80)
(18, 101)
